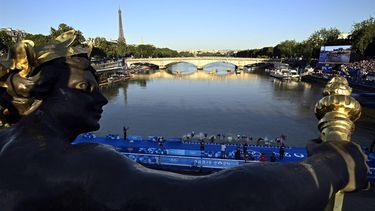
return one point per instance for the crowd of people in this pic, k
(242, 141)
(244, 153)
(360, 70)
(363, 65)
(223, 138)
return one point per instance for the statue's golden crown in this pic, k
(25, 56)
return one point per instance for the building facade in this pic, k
(15, 34)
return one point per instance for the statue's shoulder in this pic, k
(83, 147)
(90, 148)
(94, 152)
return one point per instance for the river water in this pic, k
(163, 104)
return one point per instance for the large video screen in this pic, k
(339, 54)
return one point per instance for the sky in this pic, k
(189, 24)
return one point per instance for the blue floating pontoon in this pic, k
(177, 155)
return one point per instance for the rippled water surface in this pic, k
(164, 104)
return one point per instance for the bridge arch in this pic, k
(199, 64)
(219, 62)
(181, 67)
(179, 62)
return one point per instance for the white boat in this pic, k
(280, 73)
(293, 74)
(111, 79)
(283, 71)
(308, 70)
(279, 70)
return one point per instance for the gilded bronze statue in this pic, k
(56, 97)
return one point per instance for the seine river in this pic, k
(163, 104)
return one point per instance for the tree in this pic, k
(121, 49)
(165, 52)
(323, 36)
(38, 39)
(244, 53)
(304, 49)
(265, 52)
(144, 51)
(285, 48)
(185, 54)
(98, 52)
(363, 34)
(370, 50)
(104, 48)
(130, 50)
(5, 42)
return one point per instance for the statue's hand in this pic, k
(352, 155)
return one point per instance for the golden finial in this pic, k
(337, 111)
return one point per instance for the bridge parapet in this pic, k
(200, 62)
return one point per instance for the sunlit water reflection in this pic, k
(164, 104)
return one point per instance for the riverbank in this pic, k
(355, 85)
(114, 81)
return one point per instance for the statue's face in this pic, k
(77, 101)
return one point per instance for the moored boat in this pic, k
(280, 71)
(280, 74)
(114, 79)
(293, 75)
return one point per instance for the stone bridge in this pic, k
(199, 62)
(197, 75)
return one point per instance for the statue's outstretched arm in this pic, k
(307, 185)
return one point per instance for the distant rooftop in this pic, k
(14, 33)
(10, 29)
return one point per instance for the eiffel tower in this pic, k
(121, 38)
